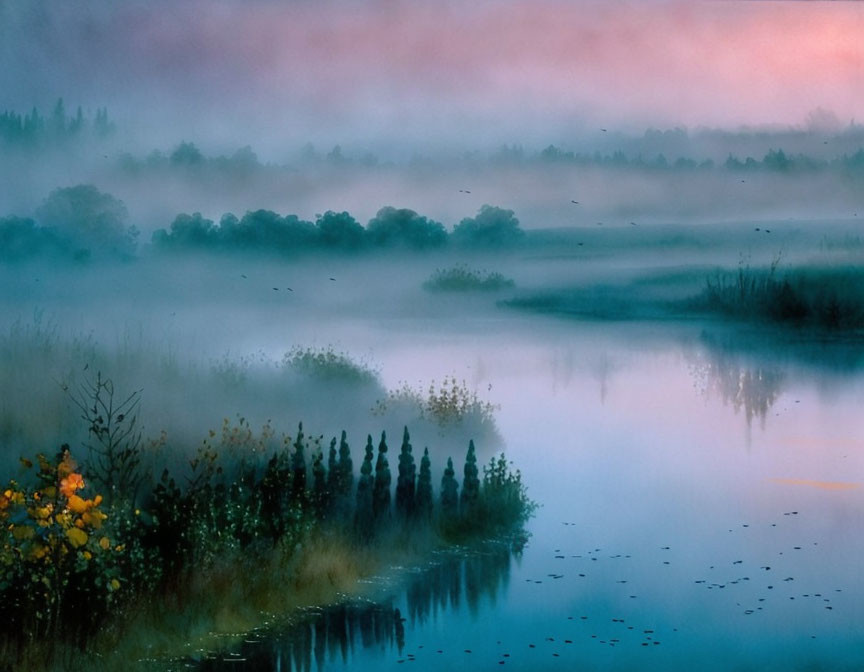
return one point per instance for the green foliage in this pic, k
(405, 484)
(320, 490)
(363, 514)
(186, 154)
(451, 403)
(90, 220)
(298, 466)
(187, 232)
(830, 299)
(503, 503)
(491, 228)
(449, 494)
(405, 228)
(54, 555)
(381, 490)
(424, 499)
(340, 231)
(21, 238)
(241, 494)
(34, 131)
(328, 365)
(463, 279)
(470, 483)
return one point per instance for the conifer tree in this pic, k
(332, 471)
(470, 483)
(346, 467)
(449, 493)
(423, 502)
(363, 515)
(298, 466)
(381, 493)
(405, 485)
(319, 483)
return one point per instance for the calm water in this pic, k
(700, 491)
(701, 509)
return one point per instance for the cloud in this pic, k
(423, 72)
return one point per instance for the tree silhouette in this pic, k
(363, 513)
(471, 483)
(405, 485)
(423, 503)
(392, 227)
(449, 493)
(298, 466)
(319, 483)
(492, 227)
(381, 494)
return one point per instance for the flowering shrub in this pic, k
(55, 552)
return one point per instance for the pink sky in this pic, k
(469, 69)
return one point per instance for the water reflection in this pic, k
(322, 638)
(753, 387)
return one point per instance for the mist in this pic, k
(597, 266)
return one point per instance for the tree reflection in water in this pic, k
(738, 381)
(332, 634)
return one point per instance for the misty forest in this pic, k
(351, 335)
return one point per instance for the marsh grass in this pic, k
(822, 298)
(464, 279)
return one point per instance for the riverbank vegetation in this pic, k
(92, 549)
(830, 299)
(464, 279)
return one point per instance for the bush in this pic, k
(328, 365)
(463, 279)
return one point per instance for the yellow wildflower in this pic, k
(105, 543)
(76, 537)
(78, 505)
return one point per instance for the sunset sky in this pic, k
(415, 73)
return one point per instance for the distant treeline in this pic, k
(35, 130)
(264, 230)
(82, 223)
(188, 157)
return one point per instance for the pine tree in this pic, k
(319, 483)
(332, 471)
(363, 516)
(405, 485)
(346, 467)
(471, 483)
(298, 466)
(381, 493)
(423, 502)
(449, 493)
